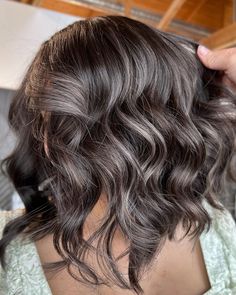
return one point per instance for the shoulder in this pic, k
(23, 274)
(5, 217)
(222, 221)
(223, 227)
(219, 251)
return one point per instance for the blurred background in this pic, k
(25, 24)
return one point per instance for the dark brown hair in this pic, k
(127, 110)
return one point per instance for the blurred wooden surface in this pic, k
(171, 12)
(225, 37)
(197, 20)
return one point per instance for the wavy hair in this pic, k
(127, 111)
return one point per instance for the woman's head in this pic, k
(112, 106)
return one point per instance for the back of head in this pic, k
(129, 112)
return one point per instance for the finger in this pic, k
(216, 60)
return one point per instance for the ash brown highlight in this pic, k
(131, 113)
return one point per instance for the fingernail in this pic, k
(202, 50)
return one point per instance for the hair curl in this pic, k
(126, 110)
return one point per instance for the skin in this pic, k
(169, 273)
(223, 60)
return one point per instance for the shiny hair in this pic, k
(129, 111)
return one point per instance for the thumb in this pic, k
(215, 60)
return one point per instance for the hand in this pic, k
(223, 60)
